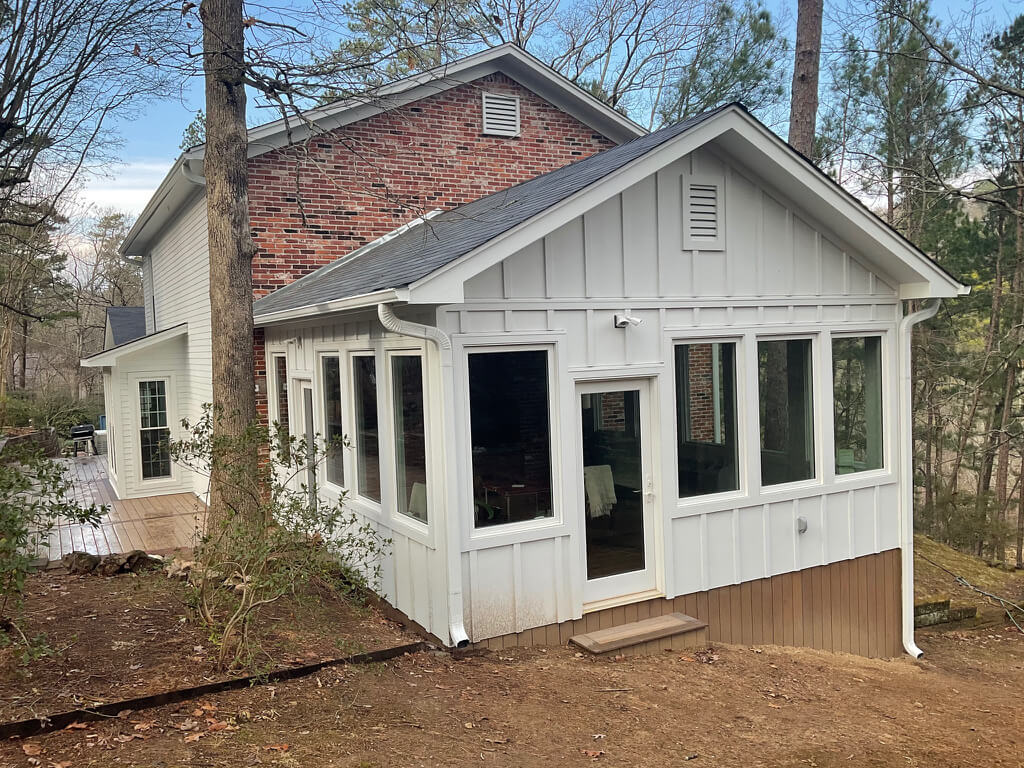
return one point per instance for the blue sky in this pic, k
(151, 136)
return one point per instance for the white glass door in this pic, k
(618, 499)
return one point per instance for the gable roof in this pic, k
(126, 323)
(502, 222)
(420, 250)
(186, 173)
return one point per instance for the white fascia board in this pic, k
(843, 204)
(108, 357)
(362, 301)
(445, 284)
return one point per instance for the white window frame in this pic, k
(556, 511)
(561, 394)
(320, 409)
(743, 417)
(410, 526)
(818, 395)
(889, 416)
(352, 466)
(169, 395)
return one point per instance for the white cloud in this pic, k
(128, 188)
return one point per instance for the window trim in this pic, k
(742, 418)
(561, 401)
(554, 456)
(888, 470)
(820, 379)
(352, 452)
(417, 529)
(170, 388)
(320, 414)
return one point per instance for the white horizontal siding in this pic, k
(181, 294)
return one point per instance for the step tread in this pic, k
(634, 633)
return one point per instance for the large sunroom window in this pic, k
(511, 436)
(706, 433)
(364, 392)
(857, 394)
(334, 433)
(786, 410)
(410, 435)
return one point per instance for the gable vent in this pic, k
(702, 215)
(501, 114)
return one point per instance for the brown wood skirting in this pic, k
(851, 606)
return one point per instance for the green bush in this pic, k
(59, 410)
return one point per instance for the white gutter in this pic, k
(906, 431)
(450, 538)
(362, 301)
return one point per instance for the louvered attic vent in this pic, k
(501, 114)
(702, 215)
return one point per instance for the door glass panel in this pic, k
(613, 482)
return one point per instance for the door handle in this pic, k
(649, 494)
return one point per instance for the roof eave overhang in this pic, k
(109, 357)
(752, 142)
(362, 301)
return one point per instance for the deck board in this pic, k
(154, 523)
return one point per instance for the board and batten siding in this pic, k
(777, 273)
(179, 264)
(413, 571)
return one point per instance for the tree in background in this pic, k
(803, 105)
(194, 133)
(737, 60)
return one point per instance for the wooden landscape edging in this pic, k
(48, 723)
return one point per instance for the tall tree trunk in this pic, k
(234, 476)
(803, 107)
(23, 363)
(6, 346)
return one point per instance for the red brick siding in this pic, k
(702, 391)
(366, 179)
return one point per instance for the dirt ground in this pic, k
(733, 706)
(126, 636)
(727, 706)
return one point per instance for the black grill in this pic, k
(84, 435)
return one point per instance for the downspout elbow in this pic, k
(456, 626)
(907, 472)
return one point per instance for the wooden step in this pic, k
(673, 630)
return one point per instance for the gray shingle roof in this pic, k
(417, 252)
(126, 323)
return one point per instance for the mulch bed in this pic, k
(127, 636)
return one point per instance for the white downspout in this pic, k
(452, 539)
(906, 433)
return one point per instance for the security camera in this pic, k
(623, 319)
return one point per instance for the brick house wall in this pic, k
(315, 202)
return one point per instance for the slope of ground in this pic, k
(931, 582)
(734, 706)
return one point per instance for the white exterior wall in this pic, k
(165, 361)
(179, 263)
(779, 273)
(413, 574)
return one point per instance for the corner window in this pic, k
(510, 436)
(786, 410)
(154, 435)
(364, 393)
(334, 434)
(706, 433)
(410, 435)
(857, 395)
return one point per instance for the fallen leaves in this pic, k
(31, 749)
(593, 754)
(277, 747)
